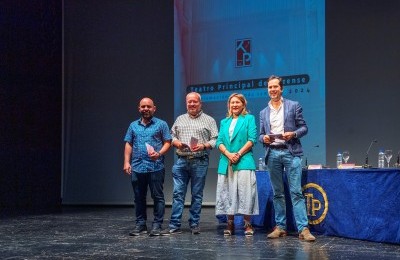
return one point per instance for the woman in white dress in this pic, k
(237, 186)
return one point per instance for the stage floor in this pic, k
(102, 233)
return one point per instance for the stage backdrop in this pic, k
(117, 51)
(222, 47)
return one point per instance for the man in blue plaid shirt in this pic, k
(146, 141)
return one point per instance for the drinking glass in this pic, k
(346, 156)
(388, 156)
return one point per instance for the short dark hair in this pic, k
(278, 78)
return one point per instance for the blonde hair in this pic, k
(242, 99)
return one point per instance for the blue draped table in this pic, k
(356, 203)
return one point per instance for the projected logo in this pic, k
(317, 203)
(243, 53)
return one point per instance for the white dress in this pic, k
(237, 191)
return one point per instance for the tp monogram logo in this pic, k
(317, 203)
(243, 53)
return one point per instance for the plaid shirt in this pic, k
(203, 127)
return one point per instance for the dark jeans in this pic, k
(155, 181)
(185, 170)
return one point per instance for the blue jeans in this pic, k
(155, 181)
(185, 170)
(278, 161)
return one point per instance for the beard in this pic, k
(146, 114)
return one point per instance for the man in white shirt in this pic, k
(281, 127)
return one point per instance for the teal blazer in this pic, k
(245, 130)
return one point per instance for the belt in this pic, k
(193, 157)
(278, 147)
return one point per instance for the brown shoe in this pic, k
(306, 235)
(230, 228)
(248, 230)
(277, 233)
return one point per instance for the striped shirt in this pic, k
(203, 127)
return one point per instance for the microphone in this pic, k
(366, 165)
(306, 162)
(397, 164)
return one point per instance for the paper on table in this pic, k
(347, 166)
(314, 166)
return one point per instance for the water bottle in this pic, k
(260, 164)
(339, 159)
(381, 159)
